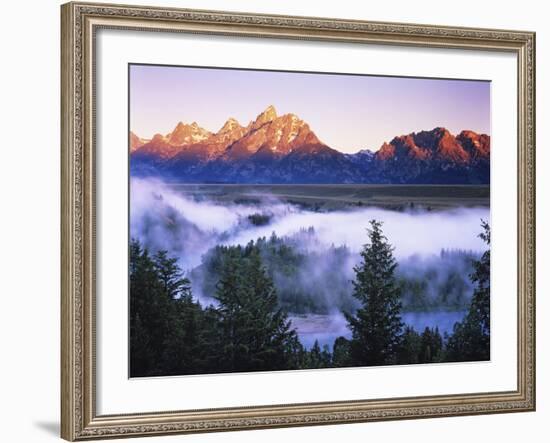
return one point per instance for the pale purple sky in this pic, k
(347, 112)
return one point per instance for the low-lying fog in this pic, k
(424, 241)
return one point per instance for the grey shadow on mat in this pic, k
(50, 427)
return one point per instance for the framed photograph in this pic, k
(282, 221)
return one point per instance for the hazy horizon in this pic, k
(346, 112)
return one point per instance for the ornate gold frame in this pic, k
(79, 21)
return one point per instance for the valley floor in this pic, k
(334, 197)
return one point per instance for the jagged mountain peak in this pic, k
(468, 133)
(268, 115)
(230, 125)
(478, 145)
(270, 111)
(437, 144)
(158, 146)
(186, 134)
(440, 130)
(271, 133)
(284, 149)
(136, 142)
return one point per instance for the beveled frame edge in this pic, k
(78, 24)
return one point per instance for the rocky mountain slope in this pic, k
(284, 149)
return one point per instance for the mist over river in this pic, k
(434, 250)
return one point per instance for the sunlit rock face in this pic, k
(284, 149)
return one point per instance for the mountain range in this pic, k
(283, 149)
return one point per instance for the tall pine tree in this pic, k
(183, 348)
(470, 340)
(167, 327)
(151, 314)
(376, 326)
(255, 333)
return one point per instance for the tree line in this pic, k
(314, 278)
(173, 334)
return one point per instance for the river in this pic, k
(326, 328)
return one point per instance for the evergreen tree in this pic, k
(314, 357)
(318, 357)
(149, 313)
(410, 348)
(166, 325)
(295, 353)
(470, 340)
(230, 295)
(481, 277)
(256, 334)
(326, 357)
(431, 346)
(341, 353)
(174, 284)
(376, 326)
